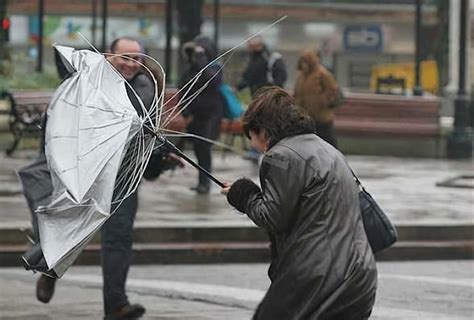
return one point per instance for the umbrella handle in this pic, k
(191, 161)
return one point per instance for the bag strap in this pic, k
(356, 178)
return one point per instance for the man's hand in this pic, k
(174, 160)
(188, 120)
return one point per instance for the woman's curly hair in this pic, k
(273, 110)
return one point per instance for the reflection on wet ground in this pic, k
(406, 189)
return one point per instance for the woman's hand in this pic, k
(226, 188)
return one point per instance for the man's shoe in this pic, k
(45, 288)
(202, 189)
(127, 312)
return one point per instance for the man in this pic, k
(265, 68)
(116, 236)
(116, 233)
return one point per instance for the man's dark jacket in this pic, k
(255, 75)
(207, 107)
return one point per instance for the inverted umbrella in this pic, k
(97, 148)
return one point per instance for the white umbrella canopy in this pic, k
(97, 147)
(92, 124)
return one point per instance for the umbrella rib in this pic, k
(107, 110)
(133, 176)
(173, 133)
(168, 120)
(69, 103)
(96, 146)
(101, 126)
(235, 47)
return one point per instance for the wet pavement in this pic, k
(406, 188)
(435, 290)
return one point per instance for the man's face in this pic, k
(255, 46)
(128, 66)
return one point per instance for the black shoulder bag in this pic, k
(380, 231)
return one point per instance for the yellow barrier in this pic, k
(428, 75)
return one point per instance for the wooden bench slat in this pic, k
(388, 116)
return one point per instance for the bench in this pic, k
(231, 129)
(26, 113)
(389, 116)
(384, 117)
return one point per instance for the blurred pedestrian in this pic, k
(316, 91)
(322, 266)
(205, 112)
(265, 68)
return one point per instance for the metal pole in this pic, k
(453, 68)
(94, 22)
(462, 47)
(3, 40)
(459, 144)
(39, 45)
(104, 25)
(169, 32)
(417, 89)
(216, 23)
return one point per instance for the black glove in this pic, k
(161, 160)
(239, 193)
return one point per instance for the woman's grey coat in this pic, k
(322, 265)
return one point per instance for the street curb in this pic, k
(192, 244)
(232, 252)
(204, 232)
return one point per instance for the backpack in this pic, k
(274, 56)
(232, 106)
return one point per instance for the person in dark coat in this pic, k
(205, 112)
(265, 68)
(322, 266)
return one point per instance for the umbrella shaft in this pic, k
(185, 157)
(195, 165)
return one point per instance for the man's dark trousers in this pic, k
(116, 253)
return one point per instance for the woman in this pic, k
(315, 91)
(322, 266)
(205, 112)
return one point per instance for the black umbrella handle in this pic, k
(175, 149)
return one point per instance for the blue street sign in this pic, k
(363, 38)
